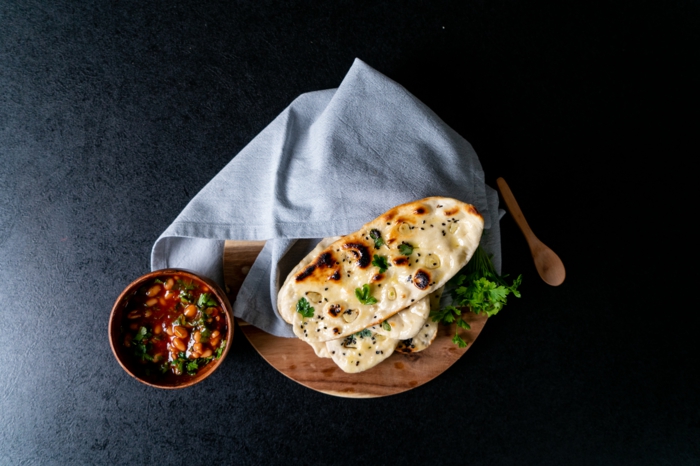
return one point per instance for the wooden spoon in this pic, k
(547, 263)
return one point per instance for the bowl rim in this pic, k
(221, 297)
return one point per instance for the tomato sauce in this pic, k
(172, 327)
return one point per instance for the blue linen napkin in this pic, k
(329, 163)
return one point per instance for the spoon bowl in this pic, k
(548, 264)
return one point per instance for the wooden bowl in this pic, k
(124, 355)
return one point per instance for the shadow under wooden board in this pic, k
(297, 360)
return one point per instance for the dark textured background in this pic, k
(114, 114)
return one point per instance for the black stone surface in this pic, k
(114, 114)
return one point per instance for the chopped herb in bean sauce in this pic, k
(173, 327)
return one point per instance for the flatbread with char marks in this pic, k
(392, 262)
(369, 347)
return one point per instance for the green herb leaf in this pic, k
(463, 323)
(405, 249)
(183, 285)
(178, 364)
(363, 295)
(477, 288)
(220, 349)
(206, 300)
(446, 315)
(200, 322)
(304, 308)
(377, 237)
(459, 341)
(364, 333)
(186, 296)
(192, 367)
(141, 352)
(141, 334)
(140, 347)
(386, 326)
(381, 262)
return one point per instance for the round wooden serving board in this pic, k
(297, 360)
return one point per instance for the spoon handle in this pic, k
(515, 211)
(547, 263)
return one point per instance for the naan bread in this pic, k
(367, 348)
(439, 235)
(420, 341)
(360, 351)
(405, 324)
(426, 334)
(288, 313)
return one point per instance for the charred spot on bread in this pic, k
(421, 279)
(400, 261)
(306, 273)
(360, 252)
(389, 216)
(472, 210)
(335, 276)
(325, 260)
(335, 309)
(404, 346)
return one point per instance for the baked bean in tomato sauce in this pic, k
(173, 326)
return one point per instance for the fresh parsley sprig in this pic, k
(477, 288)
(452, 314)
(206, 300)
(304, 308)
(377, 237)
(184, 285)
(363, 295)
(405, 249)
(381, 262)
(220, 349)
(140, 345)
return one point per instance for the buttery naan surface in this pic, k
(367, 348)
(426, 333)
(360, 351)
(406, 323)
(420, 341)
(423, 243)
(288, 313)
